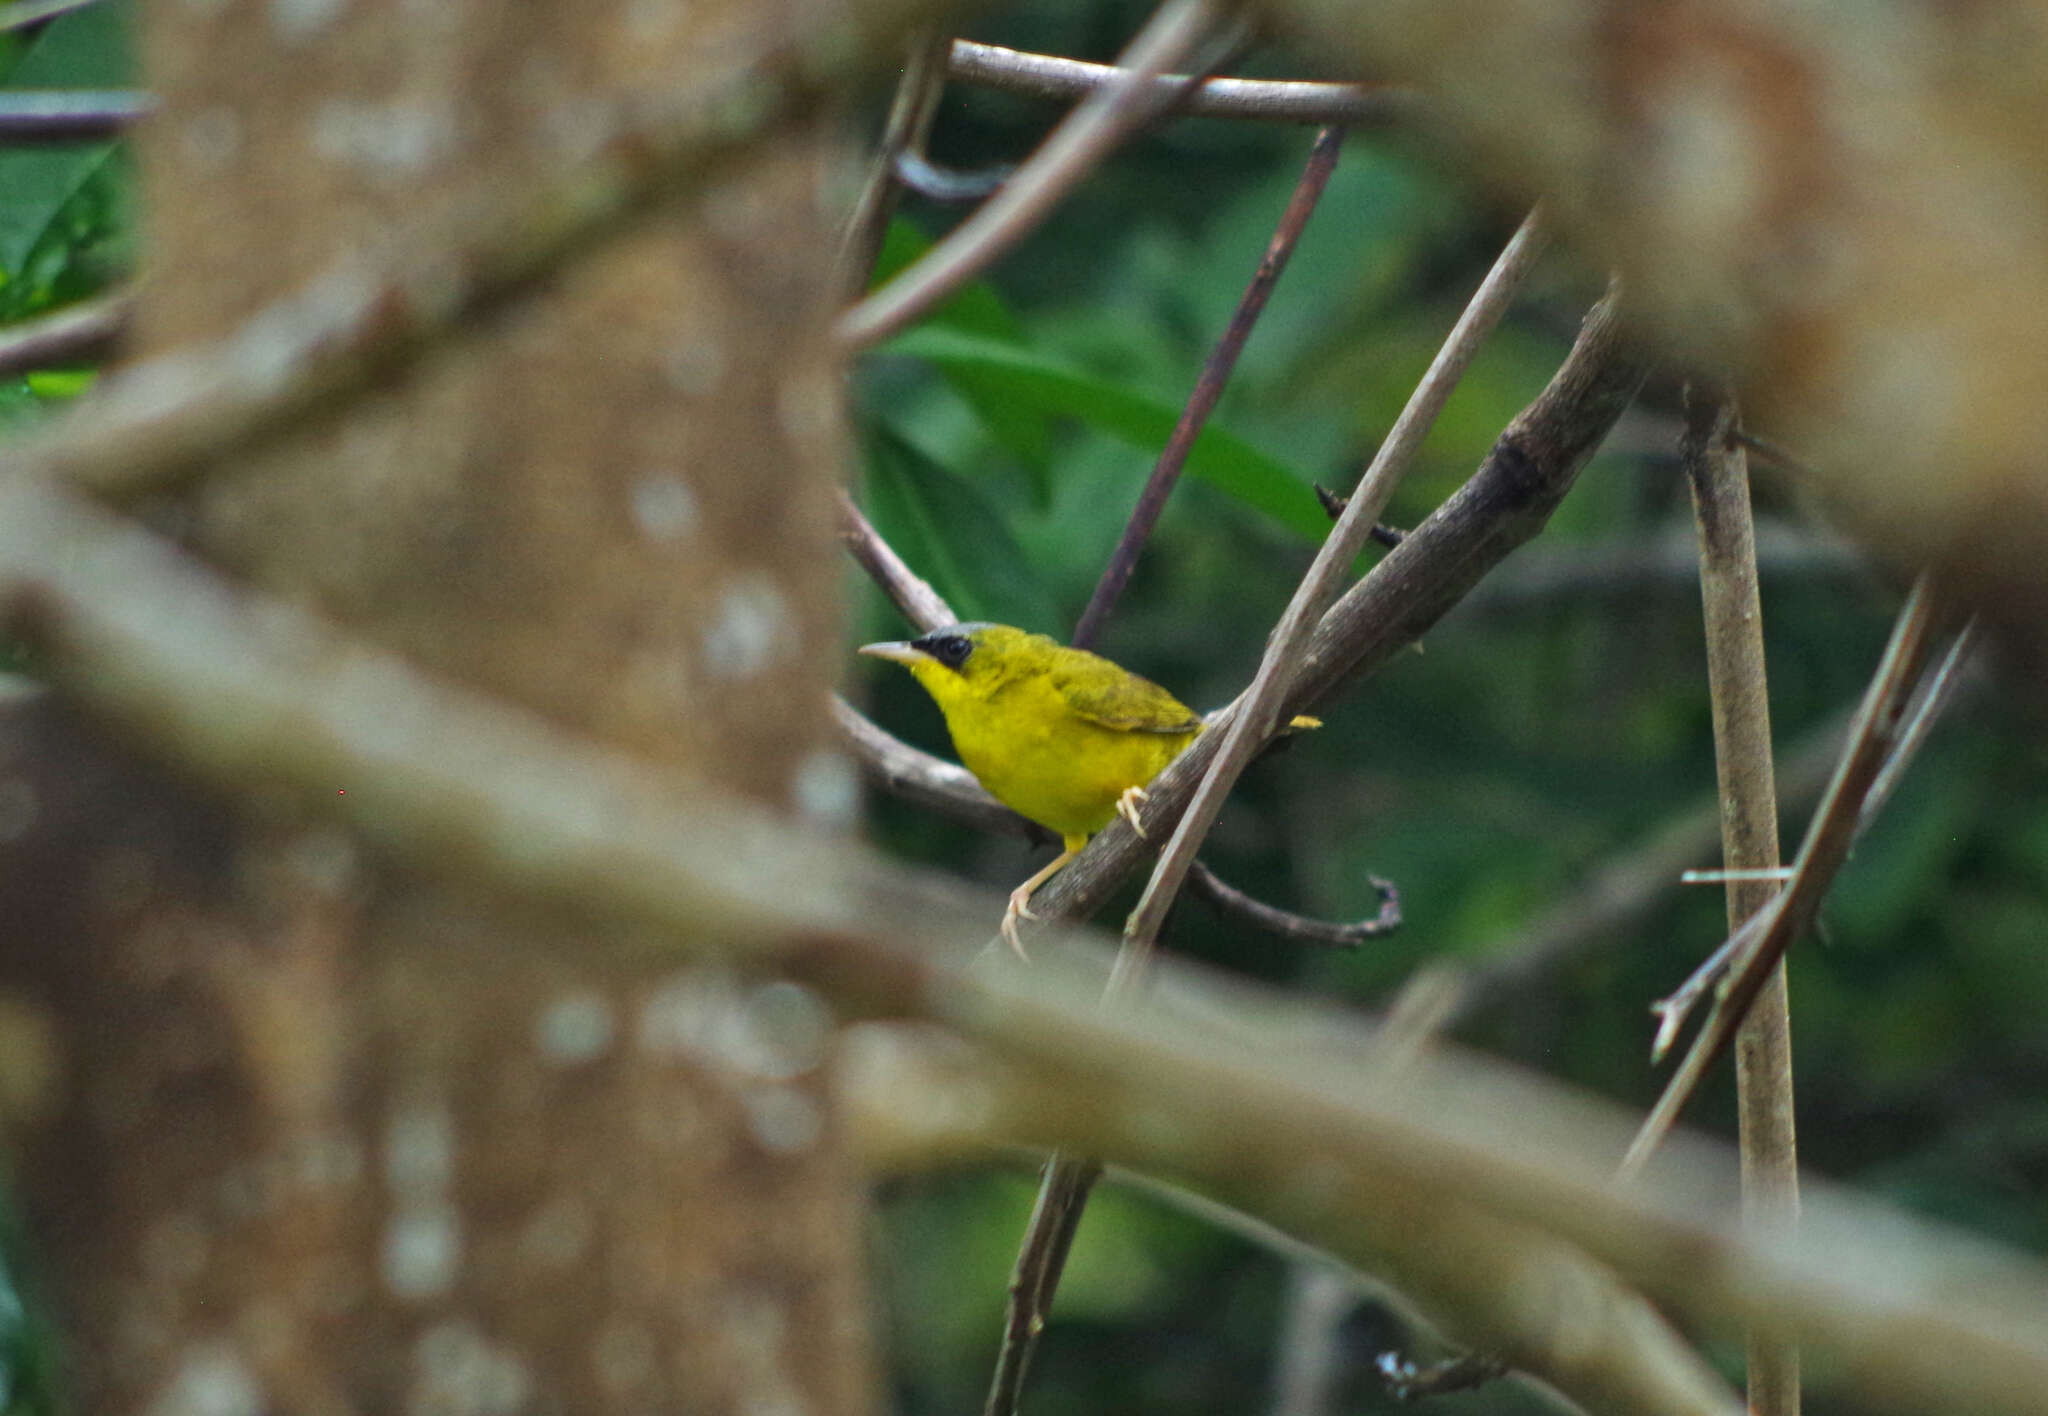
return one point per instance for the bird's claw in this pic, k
(1017, 910)
(1127, 807)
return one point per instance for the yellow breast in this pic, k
(1045, 762)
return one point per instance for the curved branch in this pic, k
(1285, 924)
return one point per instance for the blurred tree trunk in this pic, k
(297, 1131)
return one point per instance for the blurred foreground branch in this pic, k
(1277, 1106)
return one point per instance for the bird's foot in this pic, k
(1017, 910)
(1127, 807)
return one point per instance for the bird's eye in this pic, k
(949, 649)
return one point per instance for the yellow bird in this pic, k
(1058, 735)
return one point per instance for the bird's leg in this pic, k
(1127, 807)
(1020, 900)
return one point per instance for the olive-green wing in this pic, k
(1100, 692)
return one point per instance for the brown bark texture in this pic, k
(299, 1131)
(1843, 204)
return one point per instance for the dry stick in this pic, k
(1081, 141)
(1719, 476)
(905, 130)
(85, 331)
(1761, 942)
(1064, 1190)
(1216, 370)
(1268, 100)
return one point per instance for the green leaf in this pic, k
(951, 534)
(976, 308)
(87, 48)
(1223, 460)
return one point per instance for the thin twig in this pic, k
(1064, 1189)
(1719, 477)
(1269, 100)
(1627, 888)
(904, 131)
(70, 115)
(77, 333)
(1209, 385)
(1746, 960)
(911, 594)
(1073, 150)
(1234, 903)
(1306, 1367)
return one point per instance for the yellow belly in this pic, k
(1063, 772)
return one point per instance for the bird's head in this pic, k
(961, 659)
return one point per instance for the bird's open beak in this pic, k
(901, 650)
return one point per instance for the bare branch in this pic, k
(1719, 476)
(1249, 726)
(1751, 951)
(1267, 100)
(1209, 384)
(1081, 141)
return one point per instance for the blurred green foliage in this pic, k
(1536, 738)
